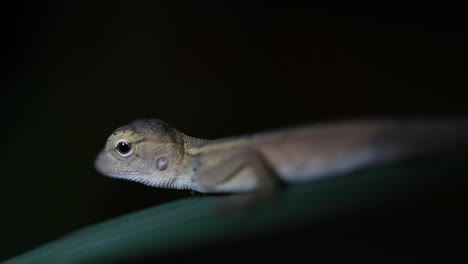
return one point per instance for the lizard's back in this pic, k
(304, 153)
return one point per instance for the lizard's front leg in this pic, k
(238, 172)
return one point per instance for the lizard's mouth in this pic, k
(105, 166)
(122, 174)
(102, 166)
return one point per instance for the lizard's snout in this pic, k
(99, 163)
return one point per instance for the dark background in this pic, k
(74, 71)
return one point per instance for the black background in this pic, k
(73, 71)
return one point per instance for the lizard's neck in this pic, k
(188, 163)
(192, 145)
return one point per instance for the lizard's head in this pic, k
(146, 151)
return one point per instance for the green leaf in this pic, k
(195, 223)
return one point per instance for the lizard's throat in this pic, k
(180, 182)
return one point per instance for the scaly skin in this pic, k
(161, 156)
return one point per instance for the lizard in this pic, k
(151, 152)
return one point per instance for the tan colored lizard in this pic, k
(153, 153)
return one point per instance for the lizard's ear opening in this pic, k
(162, 163)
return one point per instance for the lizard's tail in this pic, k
(340, 148)
(405, 139)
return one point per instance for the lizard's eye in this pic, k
(124, 148)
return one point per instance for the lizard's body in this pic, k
(165, 157)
